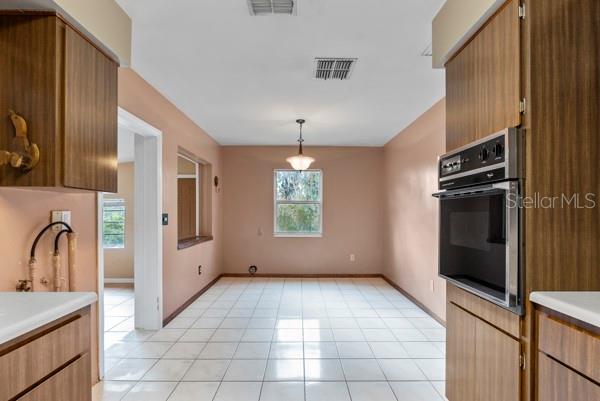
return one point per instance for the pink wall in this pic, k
(180, 267)
(352, 207)
(410, 245)
(23, 213)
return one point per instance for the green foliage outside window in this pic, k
(298, 202)
(114, 223)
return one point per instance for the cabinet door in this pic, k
(73, 383)
(483, 81)
(559, 383)
(497, 370)
(460, 354)
(90, 134)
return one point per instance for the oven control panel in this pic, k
(486, 160)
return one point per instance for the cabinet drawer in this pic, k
(559, 383)
(73, 383)
(26, 365)
(571, 345)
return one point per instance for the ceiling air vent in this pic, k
(334, 68)
(270, 7)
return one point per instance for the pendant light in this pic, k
(299, 161)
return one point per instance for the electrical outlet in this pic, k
(60, 215)
(431, 287)
(352, 257)
(200, 270)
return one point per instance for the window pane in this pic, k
(298, 185)
(298, 218)
(113, 223)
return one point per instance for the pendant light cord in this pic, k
(300, 140)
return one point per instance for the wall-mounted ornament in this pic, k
(216, 181)
(22, 154)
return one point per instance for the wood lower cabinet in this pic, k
(72, 383)
(557, 382)
(66, 90)
(482, 362)
(51, 363)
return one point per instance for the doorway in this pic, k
(130, 240)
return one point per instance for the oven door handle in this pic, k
(505, 185)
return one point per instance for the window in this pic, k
(113, 219)
(193, 201)
(298, 203)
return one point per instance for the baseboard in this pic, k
(190, 301)
(118, 280)
(288, 275)
(414, 300)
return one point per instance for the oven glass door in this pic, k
(477, 242)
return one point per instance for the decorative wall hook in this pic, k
(22, 154)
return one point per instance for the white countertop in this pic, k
(580, 305)
(21, 312)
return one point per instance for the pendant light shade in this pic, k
(300, 161)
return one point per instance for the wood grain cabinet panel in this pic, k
(73, 383)
(38, 358)
(483, 81)
(460, 354)
(497, 373)
(557, 382)
(482, 362)
(570, 344)
(66, 90)
(90, 137)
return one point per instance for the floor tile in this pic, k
(320, 350)
(422, 350)
(207, 323)
(207, 370)
(323, 370)
(348, 335)
(246, 370)
(434, 369)
(150, 391)
(168, 370)
(149, 350)
(184, 350)
(252, 351)
(194, 391)
(378, 335)
(354, 350)
(197, 335)
(409, 335)
(168, 335)
(435, 334)
(181, 323)
(318, 335)
(227, 335)
(415, 391)
(286, 335)
(284, 370)
(235, 323)
(291, 350)
(130, 369)
(218, 351)
(388, 349)
(371, 391)
(115, 390)
(362, 370)
(327, 391)
(401, 369)
(258, 335)
(282, 391)
(239, 391)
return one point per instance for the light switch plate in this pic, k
(60, 215)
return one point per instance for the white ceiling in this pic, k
(246, 79)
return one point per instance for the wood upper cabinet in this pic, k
(483, 81)
(482, 362)
(66, 90)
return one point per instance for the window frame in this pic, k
(276, 202)
(197, 178)
(120, 202)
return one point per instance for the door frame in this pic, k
(148, 243)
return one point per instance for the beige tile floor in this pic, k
(278, 340)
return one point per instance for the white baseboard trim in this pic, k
(118, 280)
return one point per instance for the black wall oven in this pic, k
(480, 227)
